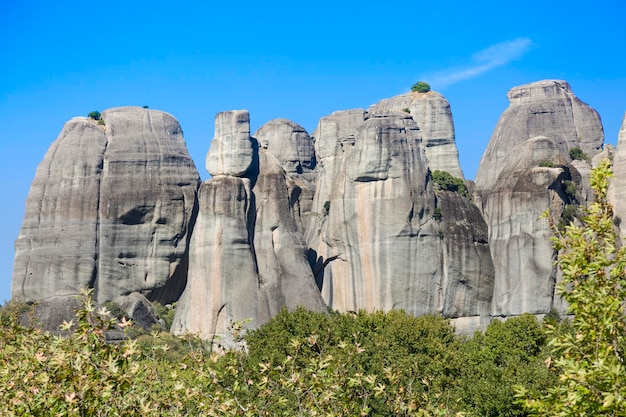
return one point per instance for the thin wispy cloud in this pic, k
(484, 60)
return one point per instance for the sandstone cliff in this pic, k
(248, 259)
(347, 218)
(374, 243)
(545, 108)
(431, 111)
(110, 208)
(526, 169)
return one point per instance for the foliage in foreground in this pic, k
(300, 364)
(589, 360)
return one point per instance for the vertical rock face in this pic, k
(373, 241)
(292, 146)
(431, 111)
(618, 182)
(519, 237)
(526, 169)
(231, 151)
(544, 108)
(222, 284)
(56, 250)
(248, 259)
(467, 284)
(109, 208)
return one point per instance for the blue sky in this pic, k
(300, 60)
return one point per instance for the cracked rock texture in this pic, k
(110, 208)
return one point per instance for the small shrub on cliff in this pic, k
(577, 153)
(449, 183)
(420, 87)
(95, 115)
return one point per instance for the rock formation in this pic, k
(348, 218)
(110, 208)
(545, 108)
(292, 146)
(431, 111)
(526, 169)
(248, 259)
(374, 243)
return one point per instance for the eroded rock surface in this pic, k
(431, 111)
(545, 108)
(374, 243)
(110, 208)
(248, 259)
(292, 146)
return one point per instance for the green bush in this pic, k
(449, 183)
(420, 87)
(547, 164)
(95, 115)
(570, 189)
(577, 153)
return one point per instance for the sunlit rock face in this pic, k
(374, 242)
(545, 108)
(431, 111)
(247, 257)
(293, 149)
(526, 169)
(110, 208)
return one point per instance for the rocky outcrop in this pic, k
(374, 243)
(292, 146)
(526, 169)
(431, 111)
(519, 236)
(248, 259)
(110, 208)
(231, 151)
(545, 108)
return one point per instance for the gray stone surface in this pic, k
(292, 146)
(109, 208)
(248, 259)
(431, 111)
(231, 151)
(139, 309)
(544, 108)
(374, 242)
(519, 238)
(222, 284)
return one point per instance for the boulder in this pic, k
(139, 309)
